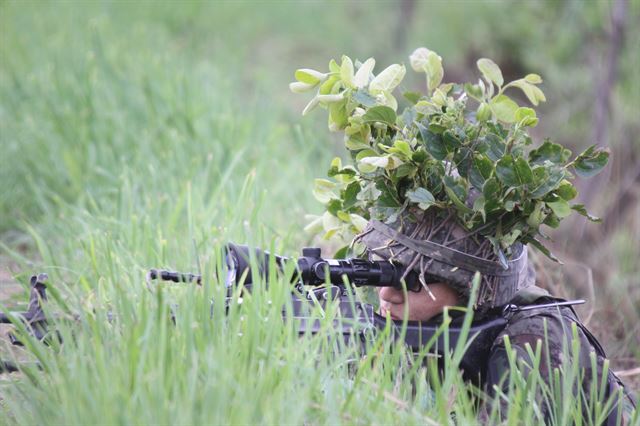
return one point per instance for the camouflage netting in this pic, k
(440, 250)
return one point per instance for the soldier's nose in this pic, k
(391, 295)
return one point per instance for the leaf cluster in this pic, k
(461, 148)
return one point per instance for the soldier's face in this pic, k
(418, 306)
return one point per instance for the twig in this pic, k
(435, 230)
(423, 268)
(592, 293)
(628, 373)
(413, 262)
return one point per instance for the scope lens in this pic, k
(232, 268)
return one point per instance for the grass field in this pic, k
(149, 134)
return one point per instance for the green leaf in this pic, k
(492, 146)
(403, 147)
(426, 107)
(537, 244)
(346, 172)
(478, 206)
(359, 222)
(491, 192)
(539, 95)
(560, 208)
(350, 195)
(509, 239)
(389, 100)
(309, 76)
(369, 192)
(412, 97)
(346, 71)
(334, 67)
(434, 70)
(481, 170)
(355, 143)
(456, 193)
(533, 78)
(403, 170)
(330, 221)
(546, 180)
(509, 205)
(514, 172)
(366, 153)
(581, 209)
(299, 87)
(525, 176)
(334, 206)
(381, 162)
(366, 167)
(591, 161)
(567, 191)
(342, 253)
(326, 88)
(338, 115)
(311, 105)
(549, 151)
(533, 93)
(436, 128)
(422, 197)
(490, 71)
(380, 114)
(314, 226)
(526, 117)
(327, 99)
(552, 220)
(361, 79)
(474, 91)
(323, 190)
(336, 164)
(484, 165)
(364, 98)
(429, 62)
(451, 141)
(419, 156)
(463, 159)
(388, 79)
(388, 195)
(408, 116)
(498, 130)
(537, 216)
(504, 108)
(484, 112)
(418, 59)
(432, 143)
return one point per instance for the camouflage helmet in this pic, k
(434, 245)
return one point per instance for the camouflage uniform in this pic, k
(553, 329)
(437, 248)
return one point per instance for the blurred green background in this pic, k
(155, 130)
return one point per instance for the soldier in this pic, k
(446, 257)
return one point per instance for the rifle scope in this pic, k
(312, 269)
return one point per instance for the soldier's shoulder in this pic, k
(529, 295)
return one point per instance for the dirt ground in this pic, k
(12, 297)
(10, 292)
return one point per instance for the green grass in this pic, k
(148, 135)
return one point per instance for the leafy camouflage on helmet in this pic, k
(439, 249)
(562, 348)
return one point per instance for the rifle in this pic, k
(330, 281)
(333, 281)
